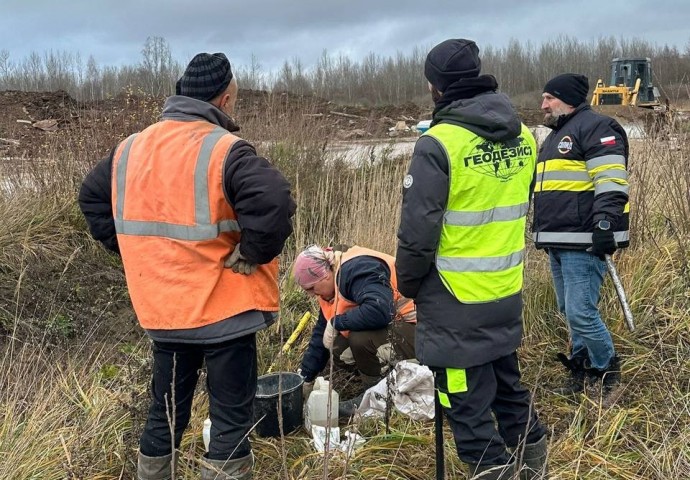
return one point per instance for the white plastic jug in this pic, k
(206, 433)
(316, 409)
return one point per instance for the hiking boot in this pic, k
(575, 383)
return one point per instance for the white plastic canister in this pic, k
(316, 409)
(206, 433)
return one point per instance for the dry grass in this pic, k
(73, 398)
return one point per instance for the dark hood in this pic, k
(179, 107)
(489, 115)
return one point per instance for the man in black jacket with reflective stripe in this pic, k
(581, 215)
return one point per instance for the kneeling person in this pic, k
(362, 315)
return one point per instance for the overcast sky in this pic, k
(277, 30)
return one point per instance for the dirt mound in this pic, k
(49, 111)
(30, 120)
(332, 118)
(34, 106)
(531, 116)
(625, 114)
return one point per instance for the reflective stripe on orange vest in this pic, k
(175, 229)
(404, 307)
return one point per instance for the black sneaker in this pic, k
(575, 383)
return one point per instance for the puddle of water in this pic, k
(369, 152)
(14, 176)
(357, 153)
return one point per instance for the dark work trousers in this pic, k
(470, 397)
(231, 381)
(365, 343)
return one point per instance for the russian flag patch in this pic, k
(608, 140)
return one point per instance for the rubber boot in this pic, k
(575, 383)
(534, 464)
(492, 472)
(347, 408)
(155, 468)
(235, 469)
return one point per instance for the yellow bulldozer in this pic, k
(631, 84)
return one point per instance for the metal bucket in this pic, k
(266, 403)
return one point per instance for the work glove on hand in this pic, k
(603, 243)
(238, 263)
(307, 388)
(329, 335)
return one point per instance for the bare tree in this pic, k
(5, 68)
(93, 84)
(157, 65)
(520, 67)
(254, 76)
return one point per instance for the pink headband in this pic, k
(312, 266)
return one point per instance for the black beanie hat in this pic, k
(571, 88)
(206, 77)
(450, 61)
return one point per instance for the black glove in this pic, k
(603, 243)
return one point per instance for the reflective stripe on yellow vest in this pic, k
(480, 253)
(175, 229)
(404, 307)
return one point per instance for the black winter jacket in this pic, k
(257, 191)
(590, 138)
(449, 333)
(365, 281)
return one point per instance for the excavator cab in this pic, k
(631, 84)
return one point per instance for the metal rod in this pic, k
(627, 313)
(438, 424)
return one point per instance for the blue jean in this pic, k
(577, 277)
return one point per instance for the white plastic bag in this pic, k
(319, 435)
(412, 392)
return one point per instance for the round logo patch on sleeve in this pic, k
(407, 182)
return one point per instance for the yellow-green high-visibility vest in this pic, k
(480, 253)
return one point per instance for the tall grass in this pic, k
(75, 366)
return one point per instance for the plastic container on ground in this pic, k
(423, 126)
(206, 433)
(272, 390)
(316, 409)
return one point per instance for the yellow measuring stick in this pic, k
(298, 329)
(293, 337)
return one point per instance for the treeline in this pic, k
(520, 67)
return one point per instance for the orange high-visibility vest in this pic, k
(404, 307)
(175, 229)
